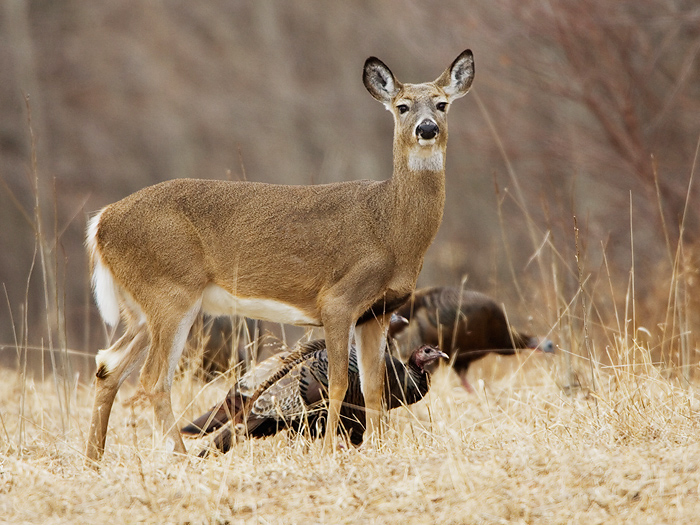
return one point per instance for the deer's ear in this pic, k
(457, 79)
(380, 81)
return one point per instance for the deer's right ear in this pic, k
(380, 81)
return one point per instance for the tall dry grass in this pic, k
(605, 432)
(522, 450)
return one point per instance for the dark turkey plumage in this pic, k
(466, 324)
(288, 390)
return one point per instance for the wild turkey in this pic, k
(469, 324)
(288, 390)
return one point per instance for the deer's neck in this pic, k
(418, 191)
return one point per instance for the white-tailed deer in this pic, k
(335, 255)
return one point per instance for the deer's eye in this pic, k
(441, 106)
(403, 108)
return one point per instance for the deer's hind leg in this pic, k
(168, 338)
(113, 366)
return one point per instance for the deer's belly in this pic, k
(218, 301)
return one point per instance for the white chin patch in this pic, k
(433, 161)
(428, 142)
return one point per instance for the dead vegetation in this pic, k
(521, 450)
(595, 120)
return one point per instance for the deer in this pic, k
(341, 256)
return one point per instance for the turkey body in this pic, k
(288, 391)
(465, 324)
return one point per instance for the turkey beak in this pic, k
(434, 357)
(432, 362)
(396, 324)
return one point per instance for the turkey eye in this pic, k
(441, 106)
(403, 108)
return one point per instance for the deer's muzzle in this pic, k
(427, 130)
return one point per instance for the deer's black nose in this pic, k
(427, 130)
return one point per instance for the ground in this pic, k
(524, 449)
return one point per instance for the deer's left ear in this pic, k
(457, 79)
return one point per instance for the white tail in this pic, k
(341, 256)
(103, 285)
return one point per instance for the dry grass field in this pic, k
(523, 449)
(571, 197)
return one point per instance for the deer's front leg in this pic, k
(370, 338)
(338, 331)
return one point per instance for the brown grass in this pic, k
(522, 450)
(607, 438)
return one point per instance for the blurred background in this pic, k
(569, 170)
